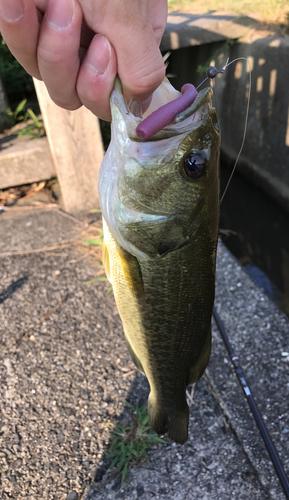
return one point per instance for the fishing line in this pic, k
(212, 73)
(253, 407)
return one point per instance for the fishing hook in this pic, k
(212, 73)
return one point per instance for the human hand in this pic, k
(78, 47)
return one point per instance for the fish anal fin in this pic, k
(175, 425)
(131, 271)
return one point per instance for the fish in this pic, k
(159, 197)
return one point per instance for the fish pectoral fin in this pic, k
(106, 261)
(175, 425)
(131, 271)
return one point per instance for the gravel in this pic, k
(64, 383)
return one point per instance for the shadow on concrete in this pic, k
(138, 392)
(7, 139)
(7, 292)
(257, 234)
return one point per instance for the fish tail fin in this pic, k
(176, 426)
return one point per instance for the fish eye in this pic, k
(194, 165)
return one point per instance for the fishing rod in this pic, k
(253, 407)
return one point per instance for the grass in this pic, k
(35, 129)
(98, 278)
(11, 117)
(130, 444)
(93, 242)
(272, 11)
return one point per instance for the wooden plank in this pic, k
(24, 162)
(76, 148)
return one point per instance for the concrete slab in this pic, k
(63, 385)
(259, 333)
(24, 162)
(264, 159)
(185, 29)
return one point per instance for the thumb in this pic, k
(140, 65)
(134, 28)
(136, 36)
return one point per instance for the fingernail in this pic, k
(59, 15)
(11, 10)
(98, 56)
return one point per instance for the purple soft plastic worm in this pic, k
(165, 114)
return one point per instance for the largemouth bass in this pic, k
(160, 204)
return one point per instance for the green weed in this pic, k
(129, 444)
(110, 290)
(21, 114)
(93, 242)
(98, 278)
(18, 115)
(35, 129)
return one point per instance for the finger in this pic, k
(58, 47)
(41, 5)
(134, 28)
(140, 63)
(141, 69)
(19, 27)
(96, 77)
(158, 12)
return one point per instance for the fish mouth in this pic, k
(174, 111)
(183, 122)
(164, 115)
